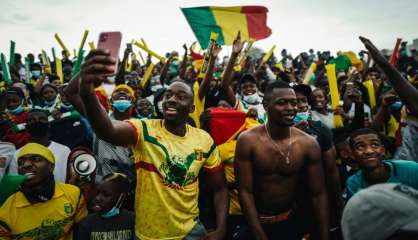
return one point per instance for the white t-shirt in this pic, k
(366, 111)
(61, 154)
(327, 120)
(7, 150)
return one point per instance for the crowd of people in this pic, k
(203, 147)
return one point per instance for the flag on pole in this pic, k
(251, 21)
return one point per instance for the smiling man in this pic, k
(272, 163)
(169, 154)
(42, 209)
(369, 152)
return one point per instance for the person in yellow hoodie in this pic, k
(41, 209)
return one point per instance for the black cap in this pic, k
(15, 91)
(302, 88)
(247, 78)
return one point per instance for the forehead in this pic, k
(28, 156)
(12, 97)
(248, 84)
(279, 93)
(318, 92)
(178, 87)
(366, 138)
(109, 186)
(48, 88)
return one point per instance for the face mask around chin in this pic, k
(251, 99)
(18, 110)
(301, 116)
(122, 105)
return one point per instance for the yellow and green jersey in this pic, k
(167, 178)
(53, 219)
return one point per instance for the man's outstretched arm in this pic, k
(97, 65)
(405, 90)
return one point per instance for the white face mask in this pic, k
(252, 99)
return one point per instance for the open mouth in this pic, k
(171, 110)
(97, 208)
(29, 175)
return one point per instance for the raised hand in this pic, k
(374, 52)
(237, 45)
(216, 49)
(185, 47)
(97, 66)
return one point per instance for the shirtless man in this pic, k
(272, 161)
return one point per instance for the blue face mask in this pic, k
(115, 210)
(112, 212)
(35, 74)
(18, 110)
(396, 106)
(66, 106)
(49, 103)
(122, 105)
(301, 116)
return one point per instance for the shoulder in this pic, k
(353, 182)
(303, 138)
(70, 191)
(404, 164)
(251, 133)
(58, 146)
(203, 136)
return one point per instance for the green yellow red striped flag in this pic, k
(251, 21)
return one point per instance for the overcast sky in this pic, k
(297, 25)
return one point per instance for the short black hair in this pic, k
(120, 179)
(276, 84)
(359, 132)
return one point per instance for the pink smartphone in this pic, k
(111, 41)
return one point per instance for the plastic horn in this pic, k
(147, 75)
(205, 65)
(5, 68)
(67, 53)
(152, 53)
(83, 40)
(58, 66)
(12, 53)
(268, 55)
(91, 44)
(335, 96)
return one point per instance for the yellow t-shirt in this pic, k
(53, 219)
(167, 178)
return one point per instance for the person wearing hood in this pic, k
(38, 127)
(250, 97)
(17, 115)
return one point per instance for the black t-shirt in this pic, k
(321, 133)
(120, 227)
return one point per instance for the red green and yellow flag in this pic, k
(251, 21)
